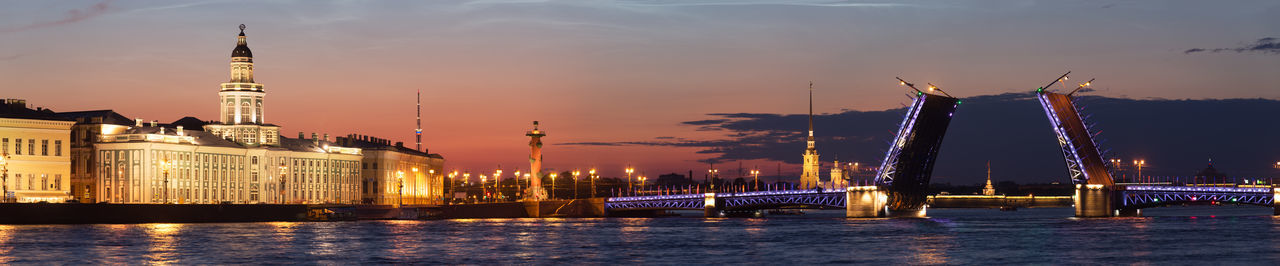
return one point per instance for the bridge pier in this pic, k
(1093, 200)
(865, 202)
(712, 207)
(1275, 200)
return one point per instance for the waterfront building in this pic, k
(395, 174)
(240, 159)
(838, 176)
(89, 127)
(35, 156)
(809, 176)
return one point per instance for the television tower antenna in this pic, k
(418, 132)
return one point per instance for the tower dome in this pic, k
(242, 47)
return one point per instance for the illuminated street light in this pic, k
(4, 176)
(575, 183)
(630, 187)
(1139, 163)
(553, 185)
(400, 191)
(449, 197)
(756, 174)
(592, 175)
(164, 167)
(284, 169)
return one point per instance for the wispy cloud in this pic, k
(73, 16)
(1266, 45)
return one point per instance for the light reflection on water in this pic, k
(949, 236)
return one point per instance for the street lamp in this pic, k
(641, 178)
(714, 173)
(467, 176)
(400, 190)
(1139, 163)
(630, 187)
(497, 174)
(284, 170)
(553, 186)
(4, 176)
(756, 174)
(450, 196)
(164, 167)
(592, 175)
(575, 183)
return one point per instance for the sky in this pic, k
(614, 71)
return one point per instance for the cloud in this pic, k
(73, 16)
(1266, 45)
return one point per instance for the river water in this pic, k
(1176, 235)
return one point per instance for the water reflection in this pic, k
(6, 233)
(163, 249)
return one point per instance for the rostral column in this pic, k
(535, 191)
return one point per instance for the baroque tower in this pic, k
(989, 190)
(809, 178)
(240, 103)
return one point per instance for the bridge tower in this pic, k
(1095, 189)
(903, 178)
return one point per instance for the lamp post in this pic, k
(164, 167)
(1139, 163)
(497, 174)
(630, 187)
(4, 176)
(641, 178)
(592, 175)
(575, 183)
(431, 174)
(467, 176)
(1115, 164)
(715, 174)
(449, 197)
(553, 186)
(517, 181)
(284, 171)
(756, 174)
(400, 190)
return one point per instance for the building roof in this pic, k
(373, 143)
(189, 123)
(108, 117)
(12, 108)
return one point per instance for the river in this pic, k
(1175, 235)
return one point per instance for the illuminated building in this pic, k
(989, 190)
(838, 176)
(36, 160)
(809, 177)
(89, 127)
(242, 159)
(383, 166)
(241, 103)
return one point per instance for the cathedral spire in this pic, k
(811, 111)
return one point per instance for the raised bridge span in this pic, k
(899, 188)
(1097, 193)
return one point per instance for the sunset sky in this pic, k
(611, 71)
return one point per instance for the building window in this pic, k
(57, 148)
(375, 165)
(5, 146)
(31, 147)
(44, 147)
(17, 147)
(57, 182)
